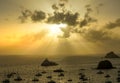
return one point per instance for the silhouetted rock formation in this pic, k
(106, 64)
(111, 55)
(46, 62)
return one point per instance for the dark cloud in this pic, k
(62, 3)
(66, 32)
(56, 18)
(34, 16)
(96, 35)
(38, 16)
(54, 7)
(87, 18)
(102, 39)
(68, 18)
(112, 25)
(71, 19)
(61, 15)
(24, 15)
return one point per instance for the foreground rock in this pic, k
(46, 62)
(111, 55)
(106, 64)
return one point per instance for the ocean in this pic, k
(72, 66)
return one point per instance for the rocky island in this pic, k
(111, 55)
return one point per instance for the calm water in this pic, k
(71, 65)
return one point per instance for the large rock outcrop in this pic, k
(46, 62)
(105, 64)
(111, 55)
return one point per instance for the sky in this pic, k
(59, 27)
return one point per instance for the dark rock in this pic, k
(111, 55)
(106, 64)
(46, 62)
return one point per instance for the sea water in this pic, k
(71, 65)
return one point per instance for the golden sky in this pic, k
(59, 27)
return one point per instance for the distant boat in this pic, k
(107, 76)
(118, 78)
(100, 72)
(49, 77)
(108, 81)
(43, 72)
(85, 79)
(46, 62)
(38, 74)
(18, 78)
(70, 80)
(61, 75)
(82, 76)
(6, 81)
(119, 71)
(35, 80)
(82, 69)
(11, 74)
(80, 73)
(51, 81)
(59, 70)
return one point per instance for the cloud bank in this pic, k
(75, 23)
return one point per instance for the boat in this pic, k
(35, 80)
(70, 80)
(49, 77)
(61, 75)
(6, 81)
(80, 73)
(11, 74)
(18, 78)
(82, 76)
(100, 72)
(108, 81)
(59, 70)
(38, 74)
(107, 76)
(43, 72)
(51, 81)
(118, 79)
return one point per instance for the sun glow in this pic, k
(55, 29)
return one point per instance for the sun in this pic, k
(55, 29)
